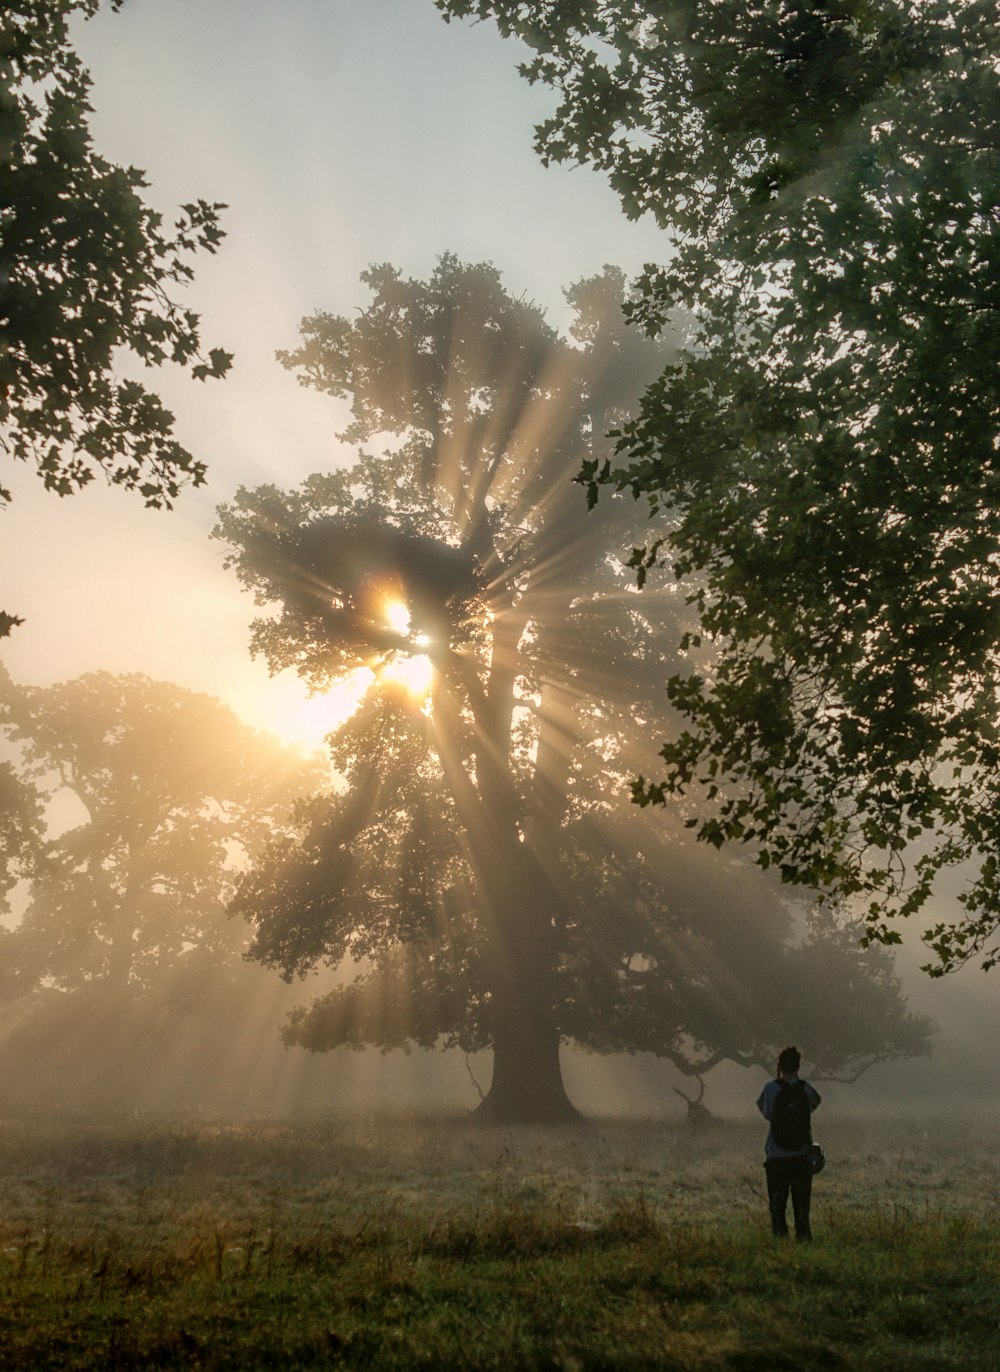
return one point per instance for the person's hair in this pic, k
(789, 1059)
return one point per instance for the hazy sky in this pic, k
(339, 132)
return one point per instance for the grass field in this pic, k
(432, 1244)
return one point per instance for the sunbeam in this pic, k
(520, 682)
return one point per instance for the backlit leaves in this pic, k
(88, 272)
(827, 455)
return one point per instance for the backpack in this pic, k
(790, 1125)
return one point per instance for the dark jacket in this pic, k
(765, 1104)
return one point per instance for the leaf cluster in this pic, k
(89, 273)
(825, 454)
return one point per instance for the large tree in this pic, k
(161, 796)
(825, 460)
(88, 272)
(474, 861)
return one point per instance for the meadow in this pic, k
(392, 1243)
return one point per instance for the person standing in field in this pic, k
(787, 1104)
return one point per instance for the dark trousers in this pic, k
(784, 1176)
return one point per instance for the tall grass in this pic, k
(431, 1244)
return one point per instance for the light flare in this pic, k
(307, 720)
(413, 671)
(415, 674)
(397, 616)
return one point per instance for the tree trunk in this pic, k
(121, 952)
(527, 1085)
(519, 902)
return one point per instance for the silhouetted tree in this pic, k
(21, 827)
(826, 458)
(165, 793)
(475, 862)
(86, 269)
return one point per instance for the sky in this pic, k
(339, 133)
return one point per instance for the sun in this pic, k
(397, 616)
(415, 674)
(412, 670)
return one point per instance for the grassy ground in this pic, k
(436, 1245)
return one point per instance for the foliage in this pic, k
(20, 827)
(824, 459)
(162, 795)
(476, 864)
(88, 271)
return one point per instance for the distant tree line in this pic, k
(127, 808)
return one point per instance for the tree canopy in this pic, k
(164, 794)
(824, 459)
(88, 271)
(21, 827)
(476, 863)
